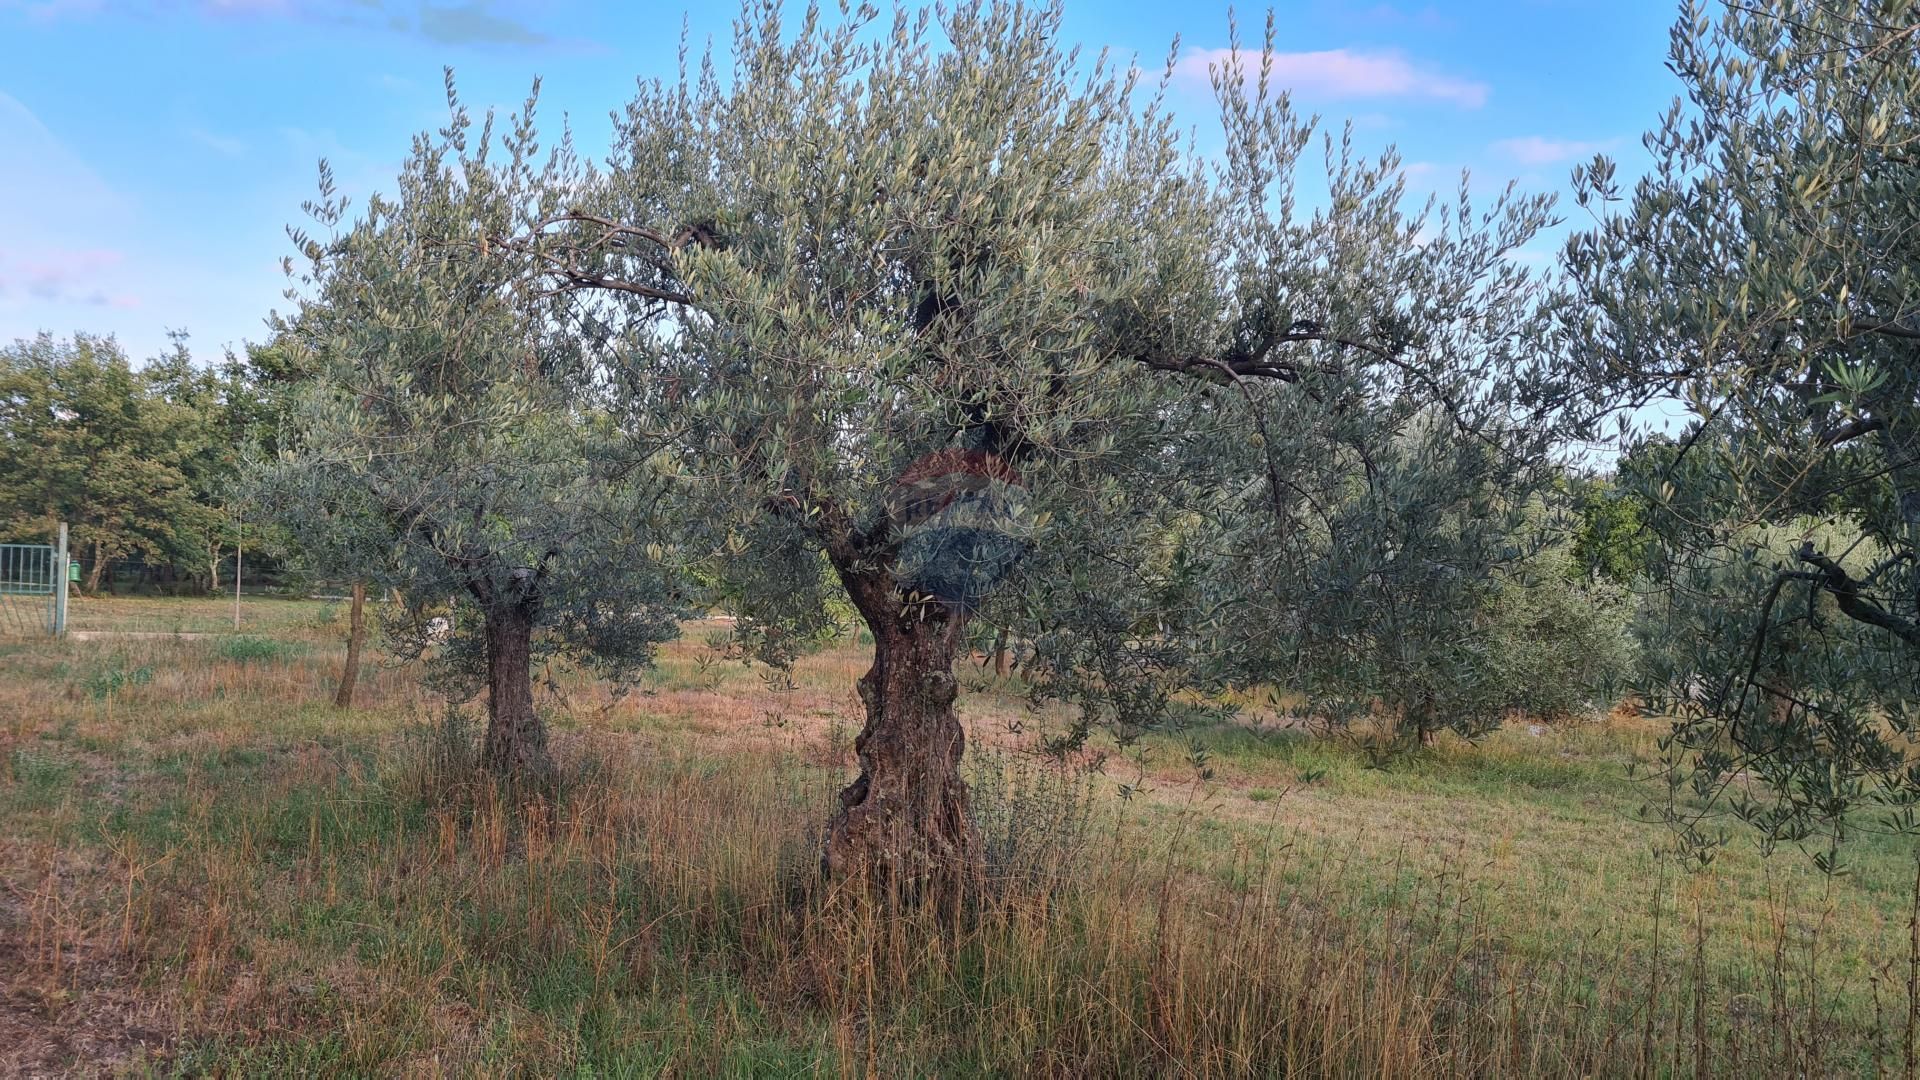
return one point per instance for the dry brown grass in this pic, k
(207, 869)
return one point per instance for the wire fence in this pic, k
(132, 596)
(153, 616)
(136, 575)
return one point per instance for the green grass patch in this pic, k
(248, 649)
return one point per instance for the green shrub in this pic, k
(1561, 643)
(106, 682)
(246, 648)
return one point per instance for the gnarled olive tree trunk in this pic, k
(905, 825)
(516, 740)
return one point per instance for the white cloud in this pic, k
(40, 174)
(475, 23)
(1540, 150)
(225, 145)
(1346, 73)
(61, 226)
(63, 276)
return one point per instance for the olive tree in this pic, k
(455, 442)
(1766, 273)
(940, 313)
(1380, 471)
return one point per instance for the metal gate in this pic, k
(33, 587)
(29, 589)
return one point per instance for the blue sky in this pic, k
(152, 153)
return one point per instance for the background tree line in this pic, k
(144, 461)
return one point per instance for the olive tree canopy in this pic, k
(455, 442)
(1766, 273)
(954, 315)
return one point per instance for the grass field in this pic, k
(204, 868)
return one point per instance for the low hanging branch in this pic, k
(1853, 603)
(1852, 430)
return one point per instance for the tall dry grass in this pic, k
(405, 915)
(198, 876)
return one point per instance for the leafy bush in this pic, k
(1562, 643)
(1544, 638)
(246, 648)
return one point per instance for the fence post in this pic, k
(239, 555)
(60, 575)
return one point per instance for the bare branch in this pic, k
(1846, 592)
(1851, 430)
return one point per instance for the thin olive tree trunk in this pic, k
(356, 634)
(93, 573)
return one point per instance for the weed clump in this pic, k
(247, 649)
